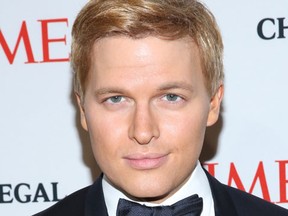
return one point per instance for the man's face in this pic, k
(146, 109)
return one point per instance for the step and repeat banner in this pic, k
(44, 153)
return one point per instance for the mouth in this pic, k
(146, 162)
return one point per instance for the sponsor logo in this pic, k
(270, 28)
(26, 193)
(260, 178)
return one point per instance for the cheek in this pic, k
(107, 133)
(105, 146)
(103, 125)
(190, 125)
(185, 134)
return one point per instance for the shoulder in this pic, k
(243, 203)
(247, 204)
(74, 204)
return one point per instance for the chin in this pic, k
(148, 192)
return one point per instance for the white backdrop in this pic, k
(44, 154)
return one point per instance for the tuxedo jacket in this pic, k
(228, 201)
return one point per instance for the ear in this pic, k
(215, 105)
(82, 112)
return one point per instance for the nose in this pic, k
(144, 125)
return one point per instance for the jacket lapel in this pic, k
(222, 201)
(95, 203)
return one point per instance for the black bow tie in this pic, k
(190, 206)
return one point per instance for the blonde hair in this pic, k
(167, 19)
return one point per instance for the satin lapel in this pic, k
(222, 201)
(95, 203)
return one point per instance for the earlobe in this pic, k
(215, 106)
(82, 112)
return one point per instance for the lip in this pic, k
(147, 161)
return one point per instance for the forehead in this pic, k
(121, 51)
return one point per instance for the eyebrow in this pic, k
(113, 90)
(176, 85)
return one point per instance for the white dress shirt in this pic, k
(197, 184)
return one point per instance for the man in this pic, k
(149, 80)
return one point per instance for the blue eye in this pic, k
(115, 99)
(172, 97)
